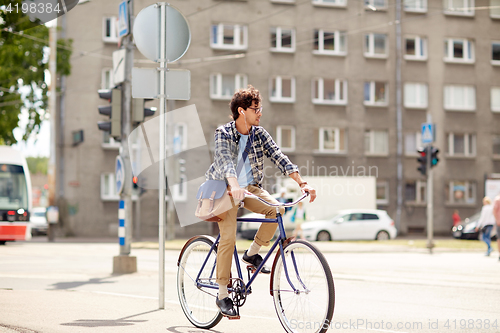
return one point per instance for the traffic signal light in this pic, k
(434, 156)
(135, 182)
(114, 111)
(422, 160)
(139, 112)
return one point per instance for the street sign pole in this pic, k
(162, 34)
(163, 126)
(430, 199)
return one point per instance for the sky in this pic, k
(36, 147)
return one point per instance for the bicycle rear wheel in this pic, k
(198, 304)
(310, 309)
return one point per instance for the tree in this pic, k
(23, 61)
(38, 165)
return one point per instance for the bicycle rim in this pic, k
(198, 304)
(311, 309)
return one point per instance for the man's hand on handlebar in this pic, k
(238, 193)
(310, 190)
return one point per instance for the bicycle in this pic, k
(301, 282)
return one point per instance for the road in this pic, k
(68, 287)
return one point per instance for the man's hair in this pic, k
(244, 98)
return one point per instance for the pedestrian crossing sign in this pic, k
(427, 133)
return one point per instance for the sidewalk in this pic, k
(400, 244)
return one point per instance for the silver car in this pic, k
(352, 224)
(38, 221)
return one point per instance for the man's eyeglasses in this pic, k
(256, 110)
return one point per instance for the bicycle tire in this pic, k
(198, 304)
(310, 310)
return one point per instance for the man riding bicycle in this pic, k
(242, 141)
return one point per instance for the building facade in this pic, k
(327, 71)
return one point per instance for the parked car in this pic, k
(467, 229)
(352, 224)
(38, 221)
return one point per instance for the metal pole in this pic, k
(430, 212)
(126, 129)
(163, 126)
(53, 118)
(399, 119)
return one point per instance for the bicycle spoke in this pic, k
(312, 304)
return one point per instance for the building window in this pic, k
(180, 138)
(496, 145)
(107, 78)
(413, 141)
(332, 140)
(382, 193)
(458, 50)
(375, 93)
(330, 42)
(495, 53)
(108, 187)
(415, 48)
(415, 95)
(416, 191)
(495, 8)
(461, 144)
(376, 142)
(459, 7)
(329, 91)
(229, 37)
(179, 191)
(333, 3)
(285, 137)
(282, 89)
(375, 4)
(376, 46)
(109, 33)
(461, 192)
(223, 86)
(495, 99)
(459, 98)
(419, 6)
(282, 40)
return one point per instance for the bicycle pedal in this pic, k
(251, 268)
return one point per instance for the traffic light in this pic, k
(114, 111)
(139, 112)
(434, 156)
(422, 160)
(138, 185)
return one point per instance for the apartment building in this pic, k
(327, 71)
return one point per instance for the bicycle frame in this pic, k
(278, 242)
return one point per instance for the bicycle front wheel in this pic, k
(308, 308)
(198, 303)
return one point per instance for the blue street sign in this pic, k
(427, 133)
(123, 19)
(119, 174)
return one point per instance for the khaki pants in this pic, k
(227, 229)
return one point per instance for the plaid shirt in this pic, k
(227, 138)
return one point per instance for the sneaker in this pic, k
(255, 261)
(226, 307)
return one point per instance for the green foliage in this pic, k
(23, 60)
(38, 164)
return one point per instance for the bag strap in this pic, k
(244, 156)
